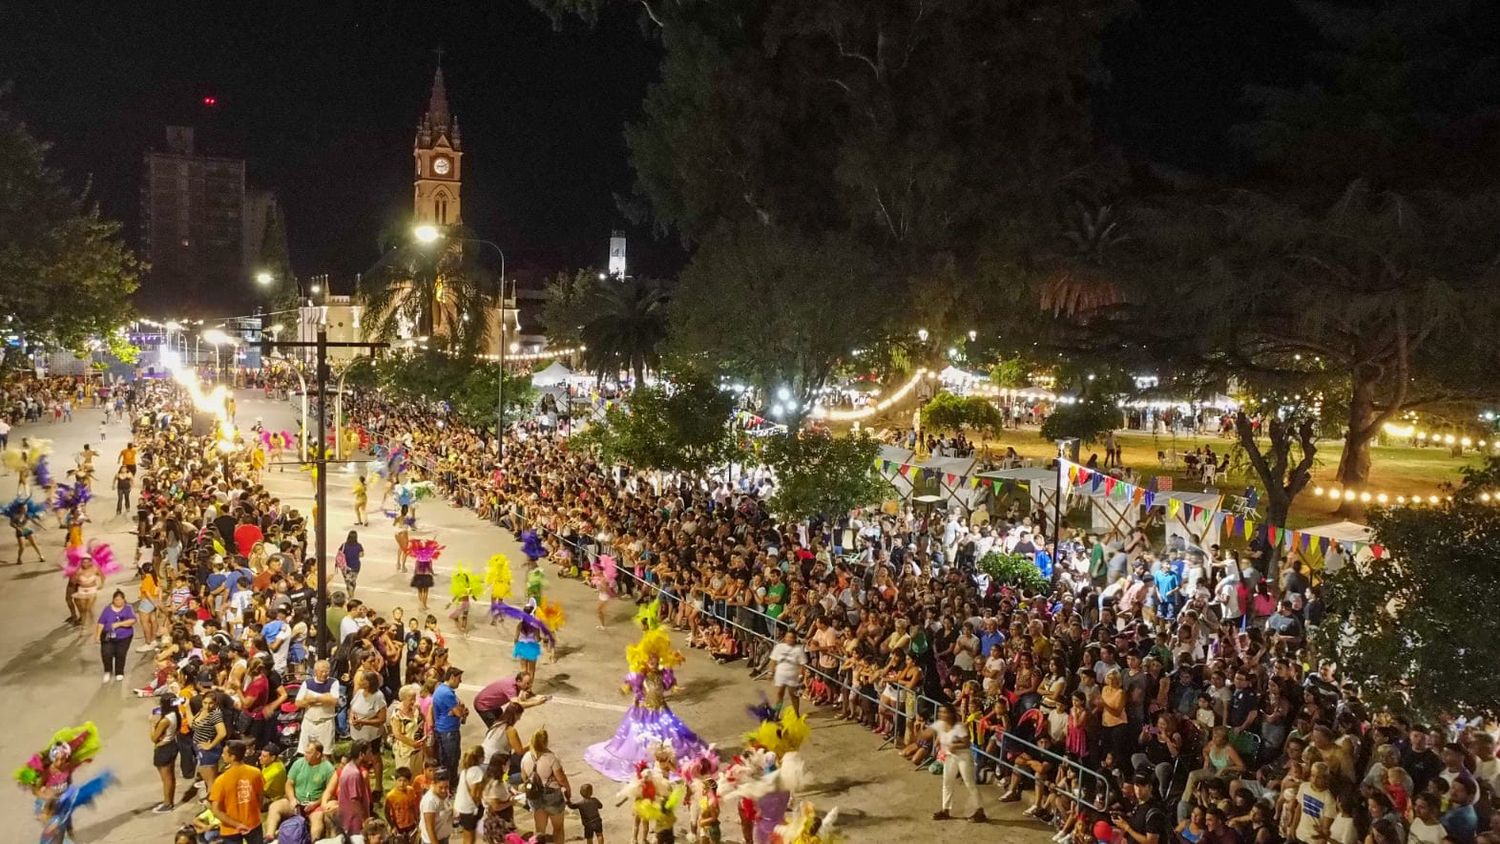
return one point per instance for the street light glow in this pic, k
(215, 337)
(264, 277)
(427, 234)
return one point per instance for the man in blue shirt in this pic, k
(447, 718)
(1168, 584)
(1461, 822)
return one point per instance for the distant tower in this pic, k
(617, 254)
(438, 152)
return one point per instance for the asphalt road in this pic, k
(51, 674)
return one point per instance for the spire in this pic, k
(437, 106)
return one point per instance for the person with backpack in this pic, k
(292, 818)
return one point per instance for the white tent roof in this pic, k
(1345, 531)
(1046, 477)
(953, 373)
(554, 374)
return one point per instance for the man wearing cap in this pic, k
(448, 715)
(1147, 822)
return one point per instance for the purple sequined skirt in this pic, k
(641, 729)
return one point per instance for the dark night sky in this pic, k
(322, 99)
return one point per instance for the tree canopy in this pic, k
(1416, 629)
(818, 474)
(66, 275)
(679, 425)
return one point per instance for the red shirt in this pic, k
(245, 537)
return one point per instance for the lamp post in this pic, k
(428, 234)
(216, 338)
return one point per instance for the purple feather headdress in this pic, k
(500, 608)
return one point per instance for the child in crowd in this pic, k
(588, 807)
(402, 802)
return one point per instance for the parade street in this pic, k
(51, 670)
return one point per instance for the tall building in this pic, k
(192, 227)
(438, 151)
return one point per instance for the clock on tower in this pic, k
(438, 151)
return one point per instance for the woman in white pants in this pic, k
(952, 739)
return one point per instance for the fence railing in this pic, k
(1090, 788)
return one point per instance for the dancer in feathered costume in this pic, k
(29, 461)
(56, 814)
(405, 498)
(498, 577)
(69, 503)
(655, 793)
(530, 633)
(551, 615)
(649, 720)
(531, 546)
(603, 572)
(765, 777)
(48, 775)
(805, 827)
(422, 552)
(99, 553)
(769, 783)
(535, 582)
(698, 774)
(465, 588)
(23, 513)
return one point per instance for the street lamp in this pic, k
(264, 278)
(216, 338)
(429, 234)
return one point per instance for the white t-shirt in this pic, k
(321, 712)
(442, 824)
(1426, 833)
(1315, 804)
(789, 660)
(463, 802)
(365, 706)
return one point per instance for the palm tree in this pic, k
(434, 289)
(629, 329)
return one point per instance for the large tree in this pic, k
(1416, 629)
(627, 329)
(571, 302)
(820, 475)
(680, 425)
(924, 141)
(65, 273)
(779, 309)
(1356, 311)
(431, 289)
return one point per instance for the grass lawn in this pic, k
(1396, 469)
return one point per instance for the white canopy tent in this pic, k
(1182, 525)
(951, 474)
(553, 376)
(1345, 534)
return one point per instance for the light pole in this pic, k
(216, 338)
(428, 234)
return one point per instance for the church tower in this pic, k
(438, 151)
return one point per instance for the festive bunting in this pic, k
(1173, 508)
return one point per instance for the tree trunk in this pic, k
(1354, 463)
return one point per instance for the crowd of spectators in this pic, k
(1161, 689)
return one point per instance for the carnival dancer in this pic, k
(769, 773)
(464, 589)
(551, 615)
(655, 794)
(498, 579)
(603, 573)
(423, 552)
(805, 827)
(23, 513)
(48, 775)
(532, 547)
(649, 721)
(56, 814)
(530, 633)
(68, 503)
